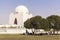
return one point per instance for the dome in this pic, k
(21, 9)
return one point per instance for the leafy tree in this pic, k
(33, 22)
(37, 22)
(44, 24)
(27, 24)
(54, 22)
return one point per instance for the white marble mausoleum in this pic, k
(16, 21)
(19, 16)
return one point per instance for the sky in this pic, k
(42, 8)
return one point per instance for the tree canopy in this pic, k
(38, 22)
(54, 21)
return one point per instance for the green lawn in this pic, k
(29, 37)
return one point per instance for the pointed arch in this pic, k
(15, 21)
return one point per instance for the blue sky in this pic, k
(43, 8)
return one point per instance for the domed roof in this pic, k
(21, 8)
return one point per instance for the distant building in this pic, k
(16, 21)
(20, 15)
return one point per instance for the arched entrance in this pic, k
(15, 21)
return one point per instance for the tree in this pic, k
(54, 22)
(33, 22)
(27, 24)
(44, 24)
(37, 22)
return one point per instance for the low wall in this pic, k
(12, 31)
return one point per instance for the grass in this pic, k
(29, 37)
